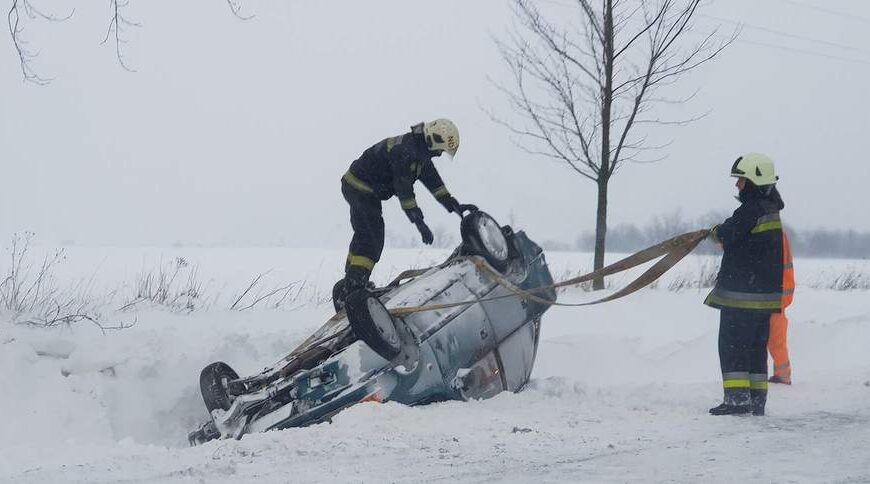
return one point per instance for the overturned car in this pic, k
(481, 340)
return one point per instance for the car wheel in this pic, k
(482, 236)
(373, 323)
(213, 383)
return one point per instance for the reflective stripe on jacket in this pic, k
(751, 275)
(392, 166)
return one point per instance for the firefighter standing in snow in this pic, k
(390, 168)
(749, 287)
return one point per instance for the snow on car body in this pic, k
(469, 351)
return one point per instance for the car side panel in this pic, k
(425, 384)
(460, 282)
(464, 340)
(506, 315)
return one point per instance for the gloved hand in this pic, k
(466, 207)
(452, 205)
(713, 233)
(415, 215)
(428, 238)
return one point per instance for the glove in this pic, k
(452, 205)
(466, 207)
(428, 238)
(415, 215)
(713, 235)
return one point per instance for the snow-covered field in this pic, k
(620, 391)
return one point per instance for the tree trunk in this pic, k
(604, 171)
(600, 231)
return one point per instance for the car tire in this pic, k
(482, 236)
(213, 385)
(373, 324)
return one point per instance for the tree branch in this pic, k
(236, 8)
(116, 28)
(571, 97)
(16, 28)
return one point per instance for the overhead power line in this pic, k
(786, 34)
(828, 11)
(786, 48)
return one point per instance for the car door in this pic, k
(462, 339)
(517, 355)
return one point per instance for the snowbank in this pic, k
(619, 393)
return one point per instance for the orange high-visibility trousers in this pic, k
(777, 345)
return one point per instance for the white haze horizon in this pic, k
(235, 133)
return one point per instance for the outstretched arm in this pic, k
(432, 179)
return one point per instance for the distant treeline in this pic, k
(847, 244)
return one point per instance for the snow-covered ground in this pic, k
(620, 391)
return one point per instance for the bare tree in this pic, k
(16, 30)
(583, 89)
(118, 22)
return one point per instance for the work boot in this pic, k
(726, 409)
(780, 379)
(344, 287)
(339, 293)
(759, 400)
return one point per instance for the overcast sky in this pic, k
(236, 132)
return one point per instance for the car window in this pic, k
(482, 380)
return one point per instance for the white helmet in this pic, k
(441, 135)
(756, 168)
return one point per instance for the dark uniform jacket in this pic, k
(393, 165)
(750, 277)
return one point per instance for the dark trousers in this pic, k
(368, 231)
(743, 355)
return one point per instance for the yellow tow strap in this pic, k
(673, 250)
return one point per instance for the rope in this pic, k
(673, 250)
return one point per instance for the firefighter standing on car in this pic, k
(749, 287)
(390, 168)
